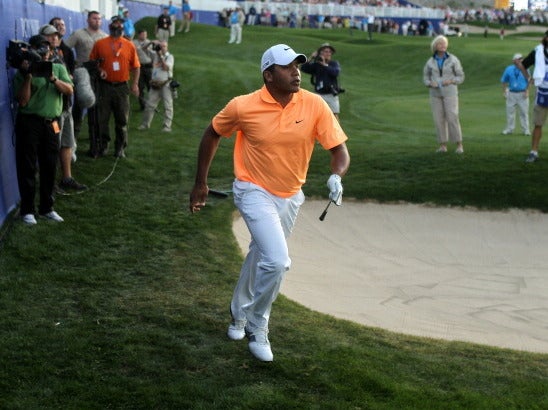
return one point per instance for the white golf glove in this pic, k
(335, 189)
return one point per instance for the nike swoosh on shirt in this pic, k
(296, 122)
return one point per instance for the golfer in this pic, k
(276, 128)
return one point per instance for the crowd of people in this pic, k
(87, 74)
(282, 15)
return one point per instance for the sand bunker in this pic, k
(444, 273)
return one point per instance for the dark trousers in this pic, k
(113, 98)
(144, 83)
(36, 144)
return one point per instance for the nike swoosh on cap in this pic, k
(288, 48)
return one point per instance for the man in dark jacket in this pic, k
(325, 73)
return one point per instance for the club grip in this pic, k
(322, 216)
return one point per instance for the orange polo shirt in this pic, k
(274, 144)
(119, 57)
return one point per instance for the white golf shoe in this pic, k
(236, 330)
(259, 346)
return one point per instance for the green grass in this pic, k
(125, 305)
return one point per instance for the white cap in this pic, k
(47, 30)
(516, 56)
(280, 54)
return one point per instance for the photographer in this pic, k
(145, 53)
(325, 73)
(160, 87)
(39, 88)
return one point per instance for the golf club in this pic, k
(219, 194)
(324, 213)
(322, 216)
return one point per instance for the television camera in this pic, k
(19, 51)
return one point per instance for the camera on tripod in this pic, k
(19, 51)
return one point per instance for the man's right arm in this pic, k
(208, 147)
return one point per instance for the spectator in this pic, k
(40, 104)
(237, 19)
(118, 58)
(129, 27)
(324, 76)
(539, 58)
(163, 25)
(271, 156)
(187, 17)
(442, 74)
(61, 54)
(370, 26)
(172, 12)
(82, 42)
(145, 53)
(515, 90)
(162, 74)
(252, 16)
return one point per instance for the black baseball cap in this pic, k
(38, 40)
(114, 19)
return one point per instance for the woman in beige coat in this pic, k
(442, 74)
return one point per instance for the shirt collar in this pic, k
(267, 97)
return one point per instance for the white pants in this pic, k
(520, 100)
(270, 220)
(173, 19)
(153, 99)
(235, 33)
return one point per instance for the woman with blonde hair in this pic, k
(442, 74)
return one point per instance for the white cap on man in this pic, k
(280, 54)
(47, 30)
(517, 56)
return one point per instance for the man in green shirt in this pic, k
(40, 104)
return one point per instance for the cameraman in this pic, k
(40, 103)
(325, 73)
(160, 87)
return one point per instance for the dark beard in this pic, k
(117, 32)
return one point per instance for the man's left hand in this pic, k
(335, 189)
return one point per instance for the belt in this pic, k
(517, 91)
(114, 83)
(40, 118)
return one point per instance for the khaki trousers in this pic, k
(445, 111)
